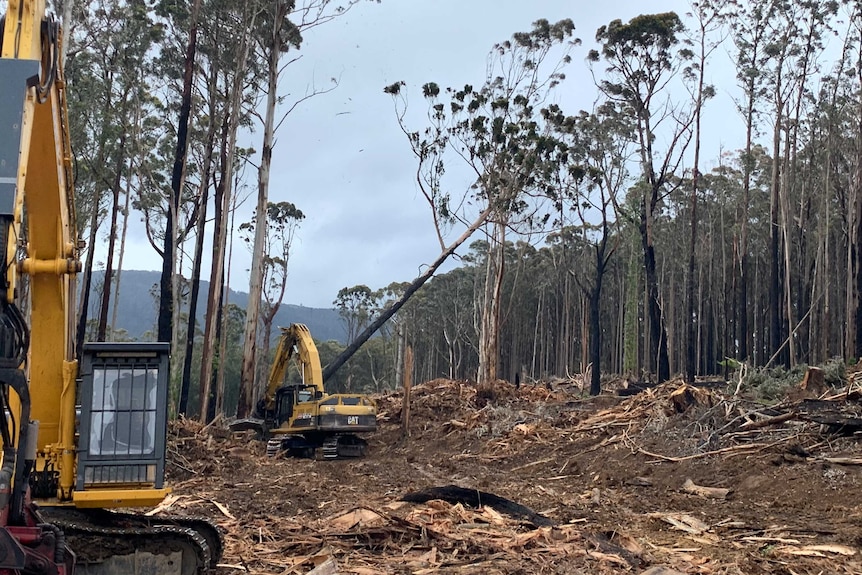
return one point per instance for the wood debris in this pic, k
(546, 482)
(714, 492)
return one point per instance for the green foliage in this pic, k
(772, 384)
(283, 219)
(835, 372)
(356, 305)
(645, 32)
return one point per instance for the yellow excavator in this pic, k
(76, 443)
(300, 418)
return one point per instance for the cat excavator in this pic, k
(300, 418)
(77, 444)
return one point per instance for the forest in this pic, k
(589, 242)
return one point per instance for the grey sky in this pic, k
(342, 159)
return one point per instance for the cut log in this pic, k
(812, 385)
(767, 422)
(476, 498)
(687, 396)
(844, 418)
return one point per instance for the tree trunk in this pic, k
(784, 199)
(743, 310)
(223, 317)
(854, 312)
(657, 332)
(112, 240)
(399, 354)
(87, 283)
(489, 336)
(196, 268)
(856, 233)
(214, 293)
(631, 334)
(228, 154)
(249, 364)
(125, 222)
(775, 338)
(167, 292)
(596, 329)
(691, 321)
(68, 10)
(384, 316)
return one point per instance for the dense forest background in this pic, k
(591, 241)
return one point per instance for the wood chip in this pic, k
(359, 516)
(328, 567)
(661, 570)
(713, 492)
(754, 539)
(683, 522)
(222, 508)
(166, 504)
(817, 550)
(639, 482)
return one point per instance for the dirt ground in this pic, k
(616, 485)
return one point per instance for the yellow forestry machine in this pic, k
(76, 443)
(300, 418)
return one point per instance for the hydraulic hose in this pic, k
(15, 379)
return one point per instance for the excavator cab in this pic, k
(296, 401)
(123, 416)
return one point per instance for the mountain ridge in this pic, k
(138, 304)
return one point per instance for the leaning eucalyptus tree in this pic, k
(477, 123)
(497, 131)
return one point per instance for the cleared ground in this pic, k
(615, 485)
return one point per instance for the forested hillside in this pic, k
(590, 241)
(137, 306)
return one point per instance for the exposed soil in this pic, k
(607, 472)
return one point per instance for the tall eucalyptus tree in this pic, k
(641, 58)
(593, 177)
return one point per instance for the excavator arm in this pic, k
(35, 179)
(295, 341)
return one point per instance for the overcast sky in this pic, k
(342, 159)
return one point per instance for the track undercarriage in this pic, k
(109, 543)
(326, 447)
